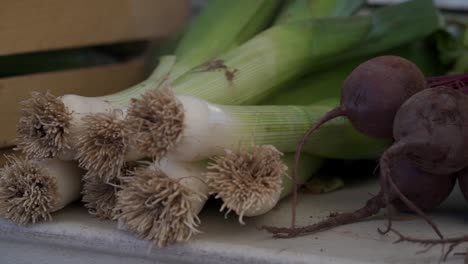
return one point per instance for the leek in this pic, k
(48, 126)
(251, 183)
(161, 203)
(207, 129)
(31, 190)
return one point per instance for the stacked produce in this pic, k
(224, 111)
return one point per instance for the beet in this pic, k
(370, 98)
(463, 182)
(424, 189)
(431, 129)
(375, 90)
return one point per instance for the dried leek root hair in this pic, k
(157, 119)
(248, 181)
(161, 203)
(43, 127)
(102, 146)
(31, 190)
(27, 192)
(100, 196)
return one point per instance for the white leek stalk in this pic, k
(251, 183)
(31, 190)
(161, 203)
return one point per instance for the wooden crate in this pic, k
(31, 25)
(28, 26)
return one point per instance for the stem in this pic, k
(336, 112)
(456, 81)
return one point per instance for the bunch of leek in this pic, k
(49, 126)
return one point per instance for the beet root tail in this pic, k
(371, 208)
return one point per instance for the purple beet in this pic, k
(463, 182)
(424, 189)
(431, 129)
(370, 98)
(375, 90)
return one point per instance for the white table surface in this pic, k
(75, 237)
